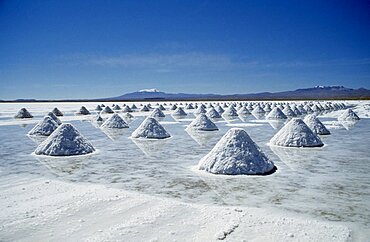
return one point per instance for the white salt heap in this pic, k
(98, 108)
(161, 107)
(55, 118)
(315, 125)
(98, 118)
(296, 134)
(23, 113)
(179, 112)
(126, 109)
(145, 109)
(243, 111)
(83, 111)
(116, 107)
(107, 109)
(348, 115)
(236, 154)
(219, 109)
(65, 141)
(115, 122)
(173, 107)
(45, 127)
(189, 106)
(203, 123)
(157, 113)
(200, 110)
(150, 128)
(276, 113)
(57, 112)
(289, 112)
(258, 111)
(230, 112)
(212, 113)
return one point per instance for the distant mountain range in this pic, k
(318, 92)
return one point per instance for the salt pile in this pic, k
(348, 115)
(200, 109)
(189, 106)
(243, 111)
(115, 122)
(98, 108)
(179, 112)
(315, 125)
(45, 127)
(126, 109)
(98, 119)
(296, 134)
(65, 141)
(55, 118)
(289, 112)
(276, 113)
(150, 128)
(230, 112)
(83, 111)
(202, 123)
(258, 111)
(161, 107)
(157, 113)
(173, 107)
(133, 106)
(57, 112)
(107, 109)
(116, 107)
(212, 113)
(236, 154)
(23, 113)
(219, 109)
(145, 109)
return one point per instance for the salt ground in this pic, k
(300, 191)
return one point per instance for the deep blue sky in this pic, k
(87, 49)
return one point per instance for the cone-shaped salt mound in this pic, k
(45, 127)
(150, 128)
(157, 113)
(348, 115)
(98, 108)
(83, 111)
(115, 122)
(23, 113)
(243, 111)
(179, 112)
(107, 109)
(258, 111)
(116, 107)
(161, 107)
(145, 109)
(236, 154)
(219, 109)
(276, 113)
(230, 111)
(289, 112)
(203, 123)
(200, 110)
(315, 125)
(296, 134)
(212, 113)
(57, 112)
(65, 141)
(55, 118)
(126, 109)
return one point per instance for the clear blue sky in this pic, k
(88, 49)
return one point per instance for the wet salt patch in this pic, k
(243, 125)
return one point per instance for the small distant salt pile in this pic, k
(126, 109)
(348, 115)
(315, 125)
(236, 154)
(45, 127)
(296, 134)
(55, 118)
(316, 108)
(102, 105)
(230, 112)
(258, 111)
(308, 109)
(133, 106)
(173, 107)
(115, 122)
(189, 106)
(23, 113)
(98, 108)
(65, 141)
(267, 108)
(83, 111)
(200, 109)
(128, 116)
(157, 113)
(145, 108)
(301, 109)
(57, 112)
(276, 113)
(243, 111)
(161, 107)
(150, 128)
(212, 113)
(116, 108)
(289, 112)
(107, 109)
(296, 111)
(179, 112)
(98, 119)
(202, 123)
